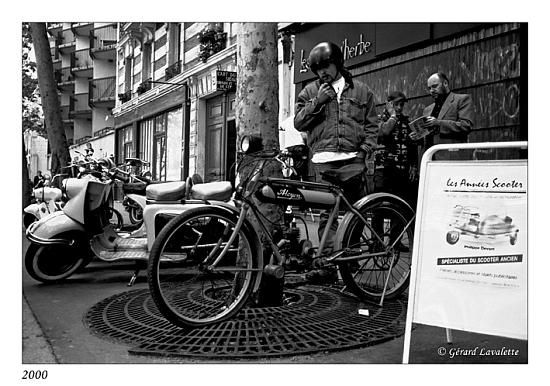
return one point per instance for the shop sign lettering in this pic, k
(349, 49)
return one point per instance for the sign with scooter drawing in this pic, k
(473, 261)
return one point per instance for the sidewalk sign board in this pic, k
(469, 264)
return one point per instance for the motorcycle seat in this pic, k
(168, 191)
(219, 191)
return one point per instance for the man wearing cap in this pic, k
(339, 116)
(400, 158)
(450, 117)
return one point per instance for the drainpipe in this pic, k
(186, 129)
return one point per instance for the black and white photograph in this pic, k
(274, 195)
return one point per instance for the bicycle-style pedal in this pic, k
(274, 270)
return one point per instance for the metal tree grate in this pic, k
(316, 319)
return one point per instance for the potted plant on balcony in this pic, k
(212, 40)
(143, 87)
(125, 96)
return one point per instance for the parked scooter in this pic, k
(134, 189)
(48, 200)
(65, 241)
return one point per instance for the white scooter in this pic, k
(67, 240)
(48, 200)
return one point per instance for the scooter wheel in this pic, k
(54, 263)
(116, 219)
(452, 237)
(28, 219)
(513, 239)
(135, 215)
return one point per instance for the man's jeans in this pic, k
(352, 196)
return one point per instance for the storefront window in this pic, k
(125, 143)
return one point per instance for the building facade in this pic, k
(483, 60)
(176, 97)
(84, 63)
(175, 106)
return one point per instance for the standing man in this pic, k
(39, 177)
(339, 116)
(451, 116)
(401, 152)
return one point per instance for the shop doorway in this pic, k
(221, 137)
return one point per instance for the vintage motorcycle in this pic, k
(67, 240)
(207, 261)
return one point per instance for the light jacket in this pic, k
(347, 125)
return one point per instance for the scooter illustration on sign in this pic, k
(466, 221)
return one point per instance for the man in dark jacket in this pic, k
(451, 117)
(339, 115)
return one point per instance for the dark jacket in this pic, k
(346, 126)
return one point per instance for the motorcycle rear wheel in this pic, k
(367, 278)
(54, 263)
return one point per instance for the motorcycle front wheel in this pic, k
(183, 286)
(54, 263)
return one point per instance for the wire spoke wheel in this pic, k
(185, 287)
(390, 269)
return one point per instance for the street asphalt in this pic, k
(54, 332)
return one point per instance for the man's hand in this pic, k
(325, 94)
(413, 173)
(431, 122)
(390, 109)
(414, 136)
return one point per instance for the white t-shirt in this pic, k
(331, 156)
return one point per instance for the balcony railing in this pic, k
(173, 70)
(103, 89)
(54, 51)
(81, 103)
(104, 37)
(64, 75)
(81, 59)
(83, 139)
(104, 131)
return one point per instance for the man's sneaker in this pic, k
(322, 276)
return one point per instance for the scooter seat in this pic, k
(168, 191)
(134, 188)
(219, 191)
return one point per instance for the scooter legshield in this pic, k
(45, 230)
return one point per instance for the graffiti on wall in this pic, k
(489, 71)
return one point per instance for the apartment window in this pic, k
(146, 61)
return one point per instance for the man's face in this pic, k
(328, 73)
(437, 87)
(398, 107)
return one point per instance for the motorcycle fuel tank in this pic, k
(290, 194)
